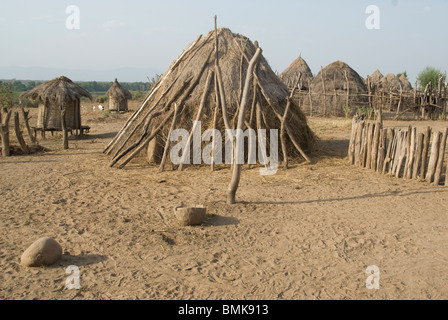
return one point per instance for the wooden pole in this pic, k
(19, 135)
(402, 154)
(282, 135)
(351, 148)
(348, 90)
(411, 154)
(236, 174)
(64, 127)
(370, 129)
(358, 142)
(439, 167)
(387, 157)
(4, 132)
(27, 125)
(382, 150)
(323, 88)
(418, 157)
(375, 146)
(433, 157)
(168, 142)
(426, 141)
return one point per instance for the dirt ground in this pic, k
(306, 233)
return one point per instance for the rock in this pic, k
(43, 252)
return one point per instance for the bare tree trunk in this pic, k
(236, 175)
(4, 133)
(27, 125)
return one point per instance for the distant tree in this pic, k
(7, 94)
(19, 86)
(430, 74)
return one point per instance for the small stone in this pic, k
(43, 252)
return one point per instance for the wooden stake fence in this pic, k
(404, 153)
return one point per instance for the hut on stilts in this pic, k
(221, 82)
(54, 96)
(118, 97)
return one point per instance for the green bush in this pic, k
(430, 74)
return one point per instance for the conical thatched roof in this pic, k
(391, 82)
(297, 67)
(192, 81)
(375, 78)
(334, 78)
(58, 90)
(405, 83)
(117, 92)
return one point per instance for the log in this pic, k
(375, 146)
(426, 141)
(407, 151)
(370, 129)
(198, 117)
(365, 139)
(387, 158)
(418, 157)
(433, 157)
(351, 148)
(4, 132)
(358, 142)
(381, 150)
(27, 126)
(439, 166)
(19, 135)
(411, 154)
(236, 174)
(64, 127)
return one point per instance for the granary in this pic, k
(118, 97)
(298, 71)
(405, 83)
(391, 83)
(207, 84)
(335, 88)
(56, 94)
(375, 79)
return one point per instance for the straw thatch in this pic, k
(298, 68)
(54, 94)
(391, 83)
(405, 83)
(375, 79)
(118, 97)
(334, 78)
(193, 81)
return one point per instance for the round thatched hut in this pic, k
(207, 85)
(375, 79)
(54, 94)
(335, 89)
(118, 97)
(296, 68)
(391, 83)
(405, 83)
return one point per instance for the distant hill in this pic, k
(45, 74)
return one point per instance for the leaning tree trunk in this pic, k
(236, 175)
(64, 127)
(4, 133)
(19, 135)
(27, 125)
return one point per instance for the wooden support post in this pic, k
(358, 142)
(323, 88)
(282, 134)
(64, 127)
(426, 142)
(397, 151)
(364, 145)
(433, 157)
(351, 148)
(375, 146)
(27, 126)
(4, 132)
(236, 174)
(439, 166)
(402, 153)
(370, 129)
(168, 141)
(19, 135)
(387, 158)
(418, 157)
(382, 150)
(348, 90)
(411, 154)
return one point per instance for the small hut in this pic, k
(391, 83)
(207, 83)
(118, 97)
(405, 83)
(54, 95)
(298, 68)
(375, 79)
(335, 88)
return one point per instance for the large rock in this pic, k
(43, 252)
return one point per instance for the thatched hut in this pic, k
(405, 83)
(375, 79)
(335, 88)
(206, 83)
(118, 97)
(298, 68)
(391, 83)
(54, 94)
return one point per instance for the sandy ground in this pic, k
(306, 233)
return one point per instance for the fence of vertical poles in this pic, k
(404, 153)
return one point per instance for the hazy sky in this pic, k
(151, 34)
